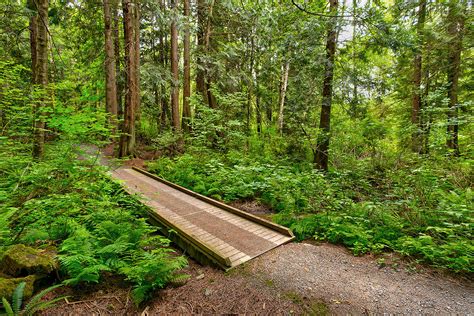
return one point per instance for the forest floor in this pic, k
(297, 278)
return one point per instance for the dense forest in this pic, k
(347, 121)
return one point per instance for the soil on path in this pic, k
(360, 285)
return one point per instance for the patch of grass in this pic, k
(269, 283)
(318, 309)
(294, 297)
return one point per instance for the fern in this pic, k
(35, 305)
(8, 307)
(17, 298)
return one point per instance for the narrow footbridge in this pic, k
(209, 231)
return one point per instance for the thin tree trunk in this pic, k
(41, 75)
(355, 94)
(164, 61)
(33, 39)
(207, 42)
(426, 115)
(201, 50)
(203, 79)
(455, 33)
(136, 26)
(127, 139)
(284, 83)
(116, 36)
(174, 71)
(417, 71)
(322, 147)
(186, 71)
(110, 74)
(258, 110)
(250, 82)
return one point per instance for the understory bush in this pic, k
(423, 212)
(94, 224)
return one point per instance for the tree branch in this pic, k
(318, 13)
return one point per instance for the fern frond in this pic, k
(35, 299)
(8, 307)
(42, 306)
(17, 297)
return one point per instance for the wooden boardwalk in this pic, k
(207, 229)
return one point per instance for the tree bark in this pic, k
(355, 95)
(164, 56)
(207, 42)
(322, 148)
(284, 83)
(127, 139)
(110, 74)
(174, 71)
(136, 26)
(33, 27)
(116, 36)
(416, 120)
(203, 80)
(200, 72)
(41, 75)
(258, 109)
(455, 32)
(186, 72)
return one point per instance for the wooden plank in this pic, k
(221, 205)
(237, 256)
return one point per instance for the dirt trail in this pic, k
(359, 285)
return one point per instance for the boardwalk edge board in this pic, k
(202, 247)
(251, 217)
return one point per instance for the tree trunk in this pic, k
(200, 66)
(33, 39)
(258, 110)
(110, 74)
(355, 95)
(164, 62)
(417, 71)
(427, 116)
(127, 139)
(284, 83)
(207, 42)
(136, 26)
(186, 72)
(203, 80)
(41, 75)
(174, 71)
(455, 33)
(322, 147)
(116, 35)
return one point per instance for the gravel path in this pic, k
(358, 285)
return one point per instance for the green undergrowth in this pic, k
(422, 209)
(95, 225)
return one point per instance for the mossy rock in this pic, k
(8, 286)
(20, 260)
